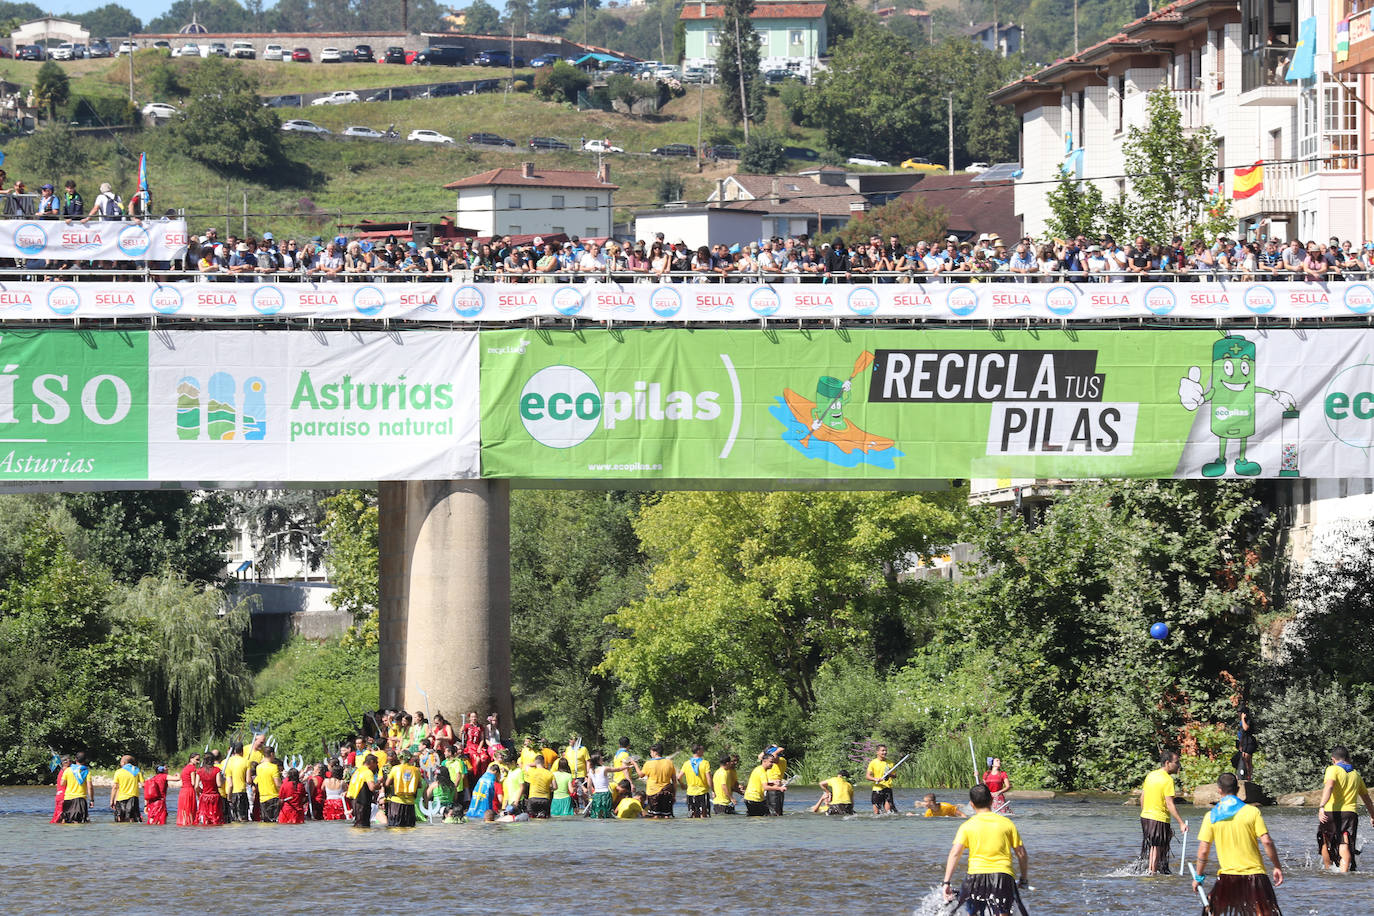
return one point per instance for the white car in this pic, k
(215, 49)
(341, 97)
(977, 168)
(62, 51)
(428, 136)
(159, 110)
(329, 56)
(867, 160)
(601, 146)
(275, 52)
(366, 132)
(299, 125)
(243, 50)
(126, 47)
(667, 73)
(190, 49)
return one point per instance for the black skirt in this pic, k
(1156, 834)
(1243, 895)
(990, 894)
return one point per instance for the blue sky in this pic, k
(145, 10)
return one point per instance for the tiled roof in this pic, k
(971, 207)
(764, 10)
(795, 194)
(543, 178)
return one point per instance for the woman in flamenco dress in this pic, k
(155, 797)
(334, 795)
(208, 811)
(61, 792)
(475, 747)
(186, 797)
(292, 795)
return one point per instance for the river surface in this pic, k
(1081, 857)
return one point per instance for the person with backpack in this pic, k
(108, 205)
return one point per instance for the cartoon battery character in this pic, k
(1232, 395)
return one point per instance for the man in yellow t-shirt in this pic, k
(724, 785)
(622, 756)
(990, 839)
(631, 806)
(236, 783)
(777, 773)
(1338, 820)
(1234, 828)
(539, 785)
(362, 788)
(696, 782)
(578, 757)
(1156, 807)
(759, 784)
(513, 791)
(660, 783)
(267, 780)
(933, 808)
(878, 773)
(841, 792)
(77, 791)
(403, 783)
(528, 752)
(125, 792)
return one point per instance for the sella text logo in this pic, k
(561, 406)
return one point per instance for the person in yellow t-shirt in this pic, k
(991, 840)
(513, 790)
(362, 789)
(267, 780)
(631, 807)
(934, 808)
(577, 756)
(760, 783)
(528, 752)
(696, 782)
(236, 783)
(841, 792)
(660, 783)
(622, 756)
(403, 784)
(125, 792)
(1156, 807)
(1338, 819)
(777, 773)
(539, 785)
(724, 785)
(1235, 828)
(77, 791)
(878, 773)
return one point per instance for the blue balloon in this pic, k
(1160, 630)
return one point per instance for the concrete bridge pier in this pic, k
(445, 597)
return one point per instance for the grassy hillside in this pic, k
(348, 178)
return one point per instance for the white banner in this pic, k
(640, 303)
(73, 240)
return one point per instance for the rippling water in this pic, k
(1081, 854)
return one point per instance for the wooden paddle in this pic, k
(864, 361)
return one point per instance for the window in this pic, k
(557, 230)
(1219, 58)
(712, 38)
(1276, 150)
(590, 203)
(512, 201)
(796, 37)
(512, 230)
(591, 232)
(1340, 127)
(558, 201)
(1120, 121)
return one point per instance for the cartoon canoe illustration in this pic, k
(849, 439)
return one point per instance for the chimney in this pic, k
(773, 191)
(720, 192)
(703, 9)
(527, 170)
(603, 172)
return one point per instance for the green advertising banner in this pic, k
(885, 405)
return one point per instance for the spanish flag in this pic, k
(1247, 182)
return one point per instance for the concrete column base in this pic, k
(445, 598)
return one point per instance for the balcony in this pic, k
(1192, 109)
(1261, 77)
(1279, 195)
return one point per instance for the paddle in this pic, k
(974, 758)
(893, 767)
(863, 362)
(1206, 904)
(1183, 856)
(426, 696)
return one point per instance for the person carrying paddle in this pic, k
(990, 839)
(1156, 807)
(880, 772)
(1237, 830)
(997, 781)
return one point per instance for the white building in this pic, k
(528, 201)
(1225, 61)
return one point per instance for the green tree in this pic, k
(737, 62)
(352, 546)
(482, 18)
(871, 98)
(519, 12)
(54, 150)
(224, 125)
(763, 152)
(332, 685)
(137, 533)
(51, 87)
(1170, 174)
(669, 188)
(907, 218)
(283, 523)
(110, 21)
(1075, 207)
(561, 82)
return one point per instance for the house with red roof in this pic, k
(792, 35)
(531, 200)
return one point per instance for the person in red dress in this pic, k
(334, 787)
(61, 792)
(292, 797)
(995, 778)
(441, 733)
(155, 797)
(208, 810)
(475, 747)
(186, 797)
(314, 793)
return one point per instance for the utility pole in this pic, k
(701, 110)
(950, 99)
(131, 66)
(1075, 26)
(739, 65)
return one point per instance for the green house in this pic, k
(792, 35)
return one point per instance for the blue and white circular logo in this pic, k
(962, 301)
(268, 300)
(764, 301)
(1359, 298)
(567, 300)
(64, 300)
(30, 239)
(165, 300)
(134, 241)
(665, 301)
(863, 301)
(1160, 300)
(1260, 299)
(368, 300)
(1061, 300)
(468, 301)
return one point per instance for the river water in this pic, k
(1080, 855)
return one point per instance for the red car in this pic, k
(301, 55)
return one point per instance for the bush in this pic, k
(792, 94)
(224, 125)
(1299, 727)
(763, 154)
(561, 82)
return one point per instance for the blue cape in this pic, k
(1227, 808)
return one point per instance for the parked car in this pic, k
(304, 127)
(389, 95)
(99, 48)
(547, 143)
(338, 97)
(667, 73)
(189, 49)
(601, 146)
(801, 152)
(865, 159)
(773, 77)
(977, 168)
(346, 56)
(283, 101)
(694, 75)
(394, 55)
(627, 67)
(544, 60)
(484, 86)
(61, 52)
(363, 54)
(367, 133)
(159, 110)
(244, 50)
(721, 151)
(489, 140)
(921, 164)
(30, 52)
(675, 149)
(442, 55)
(329, 56)
(274, 52)
(126, 47)
(492, 58)
(301, 55)
(428, 136)
(216, 49)
(163, 44)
